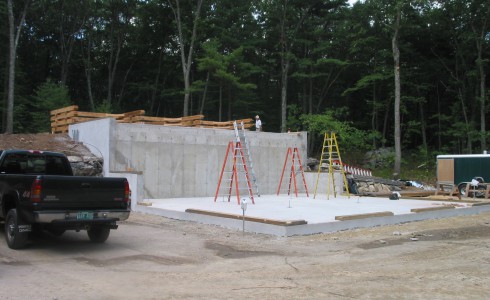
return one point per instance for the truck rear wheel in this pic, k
(98, 234)
(15, 238)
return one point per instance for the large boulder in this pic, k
(379, 158)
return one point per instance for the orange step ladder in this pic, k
(238, 174)
(292, 156)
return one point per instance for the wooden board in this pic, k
(249, 219)
(445, 170)
(61, 118)
(417, 210)
(64, 110)
(363, 216)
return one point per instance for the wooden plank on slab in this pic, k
(480, 203)
(417, 210)
(249, 219)
(364, 216)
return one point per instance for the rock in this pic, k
(378, 158)
(86, 165)
(312, 164)
(74, 159)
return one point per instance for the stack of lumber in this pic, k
(183, 121)
(248, 123)
(63, 117)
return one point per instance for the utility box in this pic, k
(456, 169)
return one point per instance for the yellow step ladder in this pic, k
(331, 156)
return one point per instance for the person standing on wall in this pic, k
(258, 123)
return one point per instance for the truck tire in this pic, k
(462, 189)
(98, 234)
(15, 239)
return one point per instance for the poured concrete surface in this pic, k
(319, 214)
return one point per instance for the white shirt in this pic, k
(258, 124)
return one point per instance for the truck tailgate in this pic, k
(70, 192)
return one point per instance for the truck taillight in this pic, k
(127, 192)
(36, 189)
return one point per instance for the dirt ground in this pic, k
(43, 141)
(151, 257)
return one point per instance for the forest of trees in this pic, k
(383, 73)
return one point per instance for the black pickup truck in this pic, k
(38, 191)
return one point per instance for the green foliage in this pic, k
(294, 115)
(104, 107)
(339, 59)
(49, 96)
(419, 165)
(367, 81)
(349, 138)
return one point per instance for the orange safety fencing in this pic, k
(63, 117)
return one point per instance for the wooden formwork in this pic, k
(63, 117)
(248, 123)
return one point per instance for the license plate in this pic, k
(85, 215)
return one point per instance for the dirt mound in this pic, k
(44, 142)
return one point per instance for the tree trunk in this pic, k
(374, 126)
(13, 42)
(310, 97)
(284, 90)
(155, 85)
(123, 85)
(439, 120)
(66, 50)
(481, 68)
(9, 128)
(88, 72)
(220, 110)
(112, 67)
(396, 59)
(67, 37)
(5, 95)
(186, 63)
(422, 126)
(201, 109)
(287, 43)
(284, 68)
(385, 124)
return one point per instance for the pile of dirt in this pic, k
(82, 161)
(44, 142)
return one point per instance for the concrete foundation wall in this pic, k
(179, 162)
(96, 136)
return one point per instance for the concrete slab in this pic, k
(287, 216)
